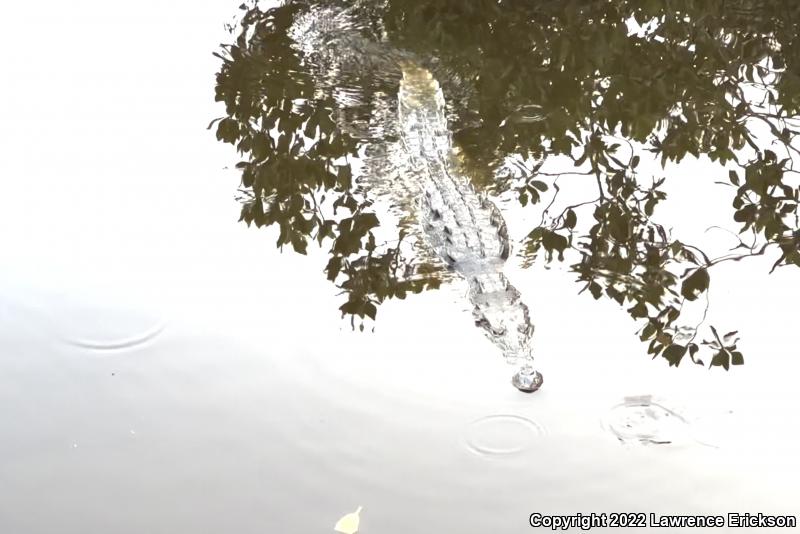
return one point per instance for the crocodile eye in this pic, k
(498, 331)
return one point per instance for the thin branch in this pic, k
(738, 257)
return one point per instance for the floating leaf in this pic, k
(349, 523)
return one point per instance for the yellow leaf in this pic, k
(348, 524)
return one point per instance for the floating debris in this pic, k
(348, 524)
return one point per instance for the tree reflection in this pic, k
(603, 83)
(296, 162)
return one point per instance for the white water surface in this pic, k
(163, 369)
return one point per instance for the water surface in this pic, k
(245, 403)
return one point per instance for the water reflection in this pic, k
(532, 93)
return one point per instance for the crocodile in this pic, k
(460, 225)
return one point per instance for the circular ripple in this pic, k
(646, 423)
(717, 430)
(499, 435)
(107, 329)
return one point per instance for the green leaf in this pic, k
(615, 294)
(554, 242)
(227, 130)
(647, 332)
(693, 348)
(334, 267)
(721, 358)
(299, 243)
(618, 226)
(595, 290)
(638, 311)
(536, 234)
(538, 184)
(674, 354)
(695, 284)
(364, 222)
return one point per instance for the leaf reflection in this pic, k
(604, 84)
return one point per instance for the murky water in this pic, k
(164, 368)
